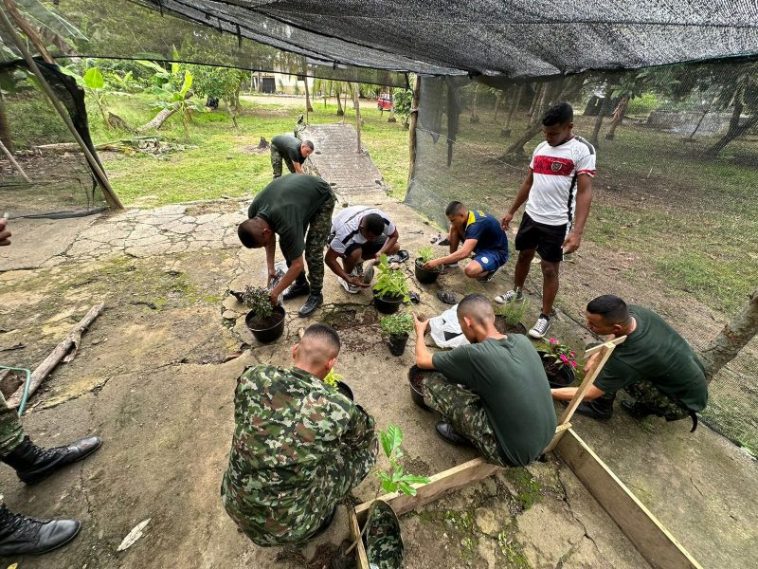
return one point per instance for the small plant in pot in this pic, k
(509, 316)
(390, 288)
(334, 380)
(397, 327)
(559, 362)
(266, 322)
(426, 276)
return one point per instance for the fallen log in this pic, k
(65, 351)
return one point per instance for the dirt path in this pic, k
(152, 378)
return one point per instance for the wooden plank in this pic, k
(588, 381)
(439, 484)
(355, 531)
(654, 542)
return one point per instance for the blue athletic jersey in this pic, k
(487, 231)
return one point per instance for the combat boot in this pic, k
(20, 535)
(33, 464)
(315, 299)
(296, 289)
(601, 409)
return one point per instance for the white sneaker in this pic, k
(510, 296)
(540, 328)
(347, 286)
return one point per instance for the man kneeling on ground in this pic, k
(478, 233)
(299, 446)
(493, 392)
(359, 233)
(655, 365)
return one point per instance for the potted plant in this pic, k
(334, 380)
(397, 327)
(509, 316)
(266, 322)
(426, 276)
(559, 362)
(390, 288)
(416, 377)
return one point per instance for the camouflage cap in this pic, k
(384, 543)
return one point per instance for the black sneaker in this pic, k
(447, 432)
(295, 290)
(314, 301)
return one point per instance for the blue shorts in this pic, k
(491, 260)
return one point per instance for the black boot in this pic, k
(20, 535)
(315, 299)
(636, 409)
(601, 409)
(33, 464)
(447, 432)
(296, 289)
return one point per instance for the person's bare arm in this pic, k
(521, 197)
(423, 354)
(567, 393)
(270, 256)
(462, 253)
(331, 261)
(5, 234)
(583, 202)
(296, 267)
(388, 244)
(298, 167)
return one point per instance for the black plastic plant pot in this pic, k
(557, 375)
(268, 329)
(344, 388)
(387, 304)
(426, 276)
(415, 379)
(504, 328)
(397, 344)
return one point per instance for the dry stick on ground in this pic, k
(18, 167)
(66, 349)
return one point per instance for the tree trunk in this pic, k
(412, 129)
(603, 111)
(357, 107)
(308, 106)
(157, 121)
(340, 110)
(535, 100)
(735, 335)
(618, 116)
(548, 94)
(735, 130)
(506, 132)
(5, 129)
(474, 116)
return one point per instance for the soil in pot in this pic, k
(397, 344)
(344, 388)
(415, 379)
(504, 328)
(426, 276)
(267, 329)
(387, 304)
(557, 375)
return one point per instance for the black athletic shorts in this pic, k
(368, 249)
(546, 239)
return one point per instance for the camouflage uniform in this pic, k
(463, 410)
(384, 543)
(298, 448)
(276, 162)
(656, 402)
(11, 433)
(318, 236)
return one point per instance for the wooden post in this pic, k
(355, 531)
(412, 129)
(357, 106)
(607, 349)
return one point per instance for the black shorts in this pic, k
(546, 239)
(368, 249)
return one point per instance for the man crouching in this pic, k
(299, 446)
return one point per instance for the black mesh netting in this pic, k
(674, 218)
(60, 179)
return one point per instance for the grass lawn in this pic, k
(223, 163)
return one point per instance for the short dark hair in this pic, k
(325, 333)
(478, 306)
(309, 144)
(246, 235)
(612, 308)
(374, 223)
(560, 113)
(454, 208)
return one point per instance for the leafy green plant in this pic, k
(425, 254)
(257, 299)
(332, 378)
(561, 354)
(513, 312)
(396, 324)
(395, 479)
(391, 282)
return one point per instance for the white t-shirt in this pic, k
(552, 199)
(345, 227)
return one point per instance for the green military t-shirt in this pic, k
(656, 353)
(288, 204)
(508, 376)
(289, 147)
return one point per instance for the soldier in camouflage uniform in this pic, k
(492, 393)
(290, 149)
(286, 207)
(299, 446)
(20, 535)
(655, 365)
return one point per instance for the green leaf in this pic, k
(93, 78)
(391, 439)
(406, 489)
(187, 85)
